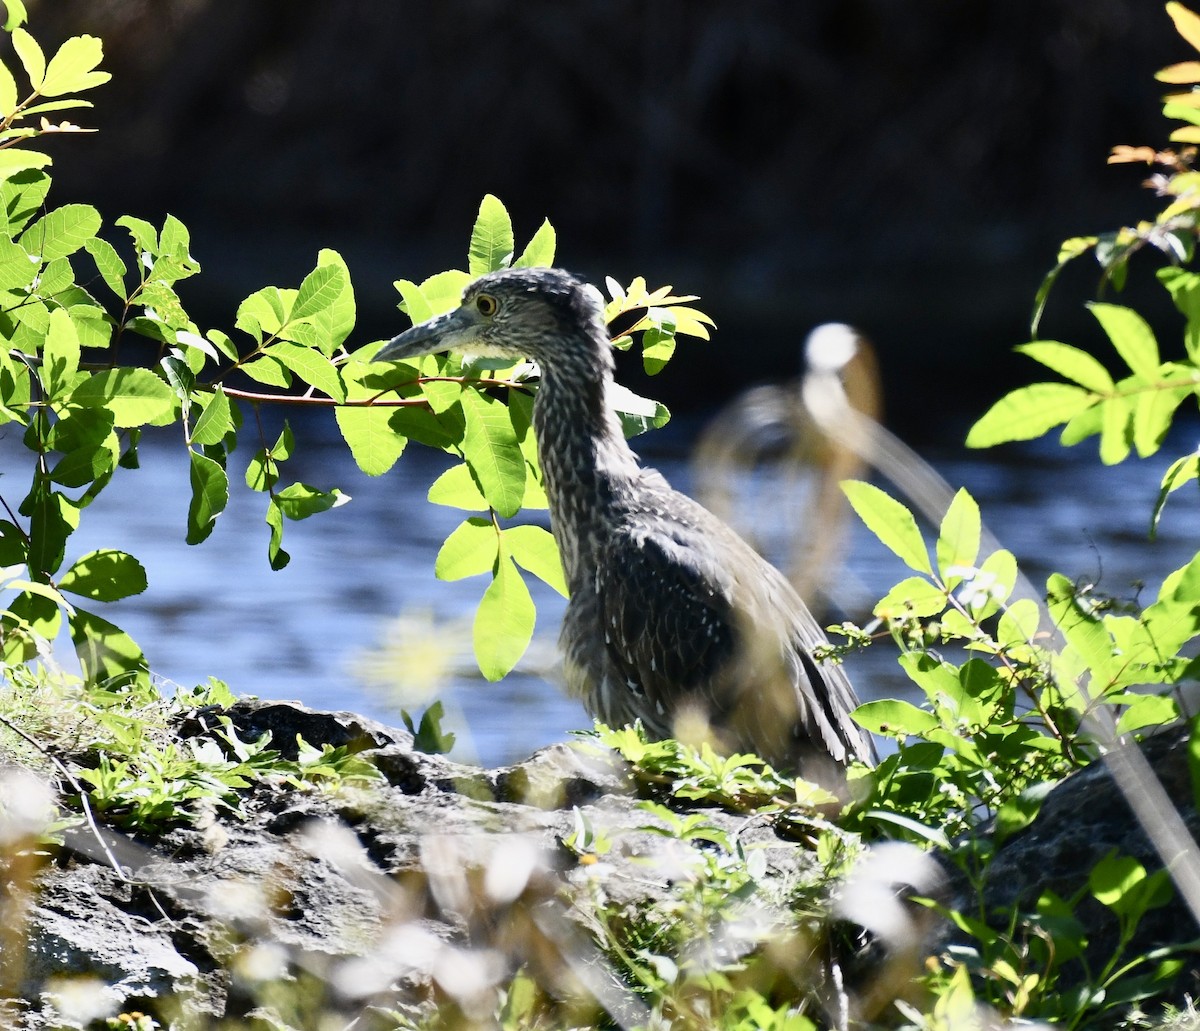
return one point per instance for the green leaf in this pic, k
(71, 69)
(16, 159)
(1120, 883)
(1131, 336)
(539, 252)
(472, 548)
(144, 235)
(61, 232)
(17, 271)
(503, 622)
(456, 488)
(491, 238)
(1152, 414)
(1071, 363)
(1116, 430)
(637, 414)
(61, 353)
(373, 442)
(534, 549)
(32, 58)
(134, 396)
(1145, 710)
(16, 14)
(276, 556)
(215, 421)
(337, 319)
(269, 371)
(443, 292)
(263, 312)
(210, 495)
(1182, 471)
(311, 366)
(893, 718)
(52, 519)
(22, 196)
(958, 540)
(299, 500)
(912, 596)
(429, 737)
(105, 575)
(319, 291)
(891, 522)
(491, 450)
(8, 91)
(1083, 631)
(107, 654)
(1028, 412)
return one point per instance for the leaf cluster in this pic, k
(99, 349)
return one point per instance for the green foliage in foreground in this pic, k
(99, 349)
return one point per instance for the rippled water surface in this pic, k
(359, 608)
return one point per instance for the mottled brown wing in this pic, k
(667, 622)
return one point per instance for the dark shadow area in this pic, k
(911, 169)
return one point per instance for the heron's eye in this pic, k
(487, 305)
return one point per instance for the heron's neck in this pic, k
(585, 462)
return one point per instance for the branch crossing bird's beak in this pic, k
(454, 331)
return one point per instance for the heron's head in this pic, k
(544, 314)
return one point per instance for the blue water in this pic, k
(357, 619)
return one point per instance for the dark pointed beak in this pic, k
(453, 331)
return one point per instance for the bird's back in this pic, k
(684, 621)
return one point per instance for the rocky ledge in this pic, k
(427, 890)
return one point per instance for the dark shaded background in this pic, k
(910, 167)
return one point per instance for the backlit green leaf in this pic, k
(311, 366)
(8, 91)
(368, 433)
(539, 252)
(491, 450)
(443, 292)
(210, 495)
(32, 58)
(61, 353)
(16, 14)
(22, 196)
(1152, 414)
(61, 232)
(105, 575)
(534, 548)
(894, 718)
(299, 500)
(1131, 336)
(107, 654)
(472, 548)
(1116, 430)
(135, 396)
(319, 290)
(503, 622)
(1071, 363)
(890, 521)
(215, 421)
(912, 596)
(71, 69)
(958, 539)
(1029, 412)
(491, 238)
(456, 488)
(1181, 472)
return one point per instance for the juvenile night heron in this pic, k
(673, 619)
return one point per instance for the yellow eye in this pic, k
(487, 305)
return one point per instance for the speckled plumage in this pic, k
(672, 616)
